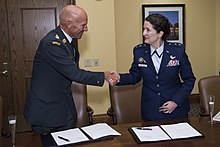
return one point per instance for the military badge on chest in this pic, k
(142, 62)
(173, 61)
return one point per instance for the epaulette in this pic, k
(140, 46)
(58, 41)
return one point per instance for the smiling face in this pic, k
(156, 29)
(151, 36)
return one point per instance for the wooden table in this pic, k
(211, 133)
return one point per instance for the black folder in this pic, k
(85, 134)
(168, 132)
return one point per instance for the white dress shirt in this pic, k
(157, 58)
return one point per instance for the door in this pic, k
(23, 24)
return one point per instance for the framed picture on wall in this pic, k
(176, 16)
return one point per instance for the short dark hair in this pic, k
(159, 23)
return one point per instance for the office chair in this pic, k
(194, 101)
(84, 112)
(209, 86)
(125, 103)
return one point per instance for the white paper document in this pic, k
(69, 136)
(164, 132)
(217, 117)
(154, 133)
(180, 130)
(78, 135)
(99, 130)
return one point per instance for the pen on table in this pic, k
(142, 128)
(65, 139)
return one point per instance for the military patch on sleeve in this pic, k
(56, 43)
(57, 37)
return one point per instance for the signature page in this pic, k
(181, 130)
(100, 130)
(153, 133)
(69, 136)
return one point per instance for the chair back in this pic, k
(126, 103)
(209, 86)
(84, 114)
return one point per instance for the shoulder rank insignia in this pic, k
(57, 37)
(175, 44)
(54, 42)
(140, 45)
(64, 40)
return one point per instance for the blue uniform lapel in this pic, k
(66, 44)
(148, 59)
(166, 57)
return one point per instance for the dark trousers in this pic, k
(45, 132)
(47, 140)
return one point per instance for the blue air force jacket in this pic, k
(174, 81)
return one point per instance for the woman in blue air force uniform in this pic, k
(166, 72)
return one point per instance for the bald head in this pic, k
(71, 13)
(73, 20)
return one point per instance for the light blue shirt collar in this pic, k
(159, 50)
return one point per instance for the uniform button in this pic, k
(157, 77)
(158, 85)
(158, 93)
(97, 81)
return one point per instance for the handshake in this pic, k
(112, 77)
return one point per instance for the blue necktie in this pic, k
(75, 50)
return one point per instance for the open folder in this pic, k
(84, 134)
(164, 132)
